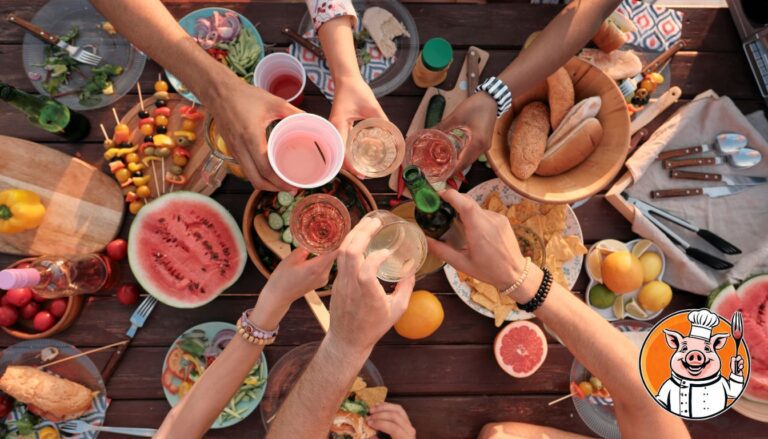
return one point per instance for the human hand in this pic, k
(478, 113)
(242, 119)
(392, 420)
(737, 365)
(361, 312)
(491, 254)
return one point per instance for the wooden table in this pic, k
(449, 383)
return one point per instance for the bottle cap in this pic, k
(19, 278)
(437, 54)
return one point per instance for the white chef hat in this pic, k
(703, 321)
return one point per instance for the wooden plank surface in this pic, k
(448, 383)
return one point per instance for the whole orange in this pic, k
(422, 317)
(622, 272)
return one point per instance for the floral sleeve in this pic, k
(325, 10)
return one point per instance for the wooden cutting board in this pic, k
(84, 206)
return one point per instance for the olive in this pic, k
(182, 141)
(150, 150)
(163, 152)
(641, 93)
(147, 138)
(160, 103)
(143, 114)
(161, 129)
(124, 145)
(138, 174)
(176, 170)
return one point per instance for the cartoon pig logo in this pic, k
(696, 389)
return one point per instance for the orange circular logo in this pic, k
(695, 364)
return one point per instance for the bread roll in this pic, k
(608, 37)
(47, 395)
(527, 139)
(618, 65)
(580, 112)
(561, 95)
(572, 150)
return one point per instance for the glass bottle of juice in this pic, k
(47, 114)
(52, 277)
(432, 214)
(432, 64)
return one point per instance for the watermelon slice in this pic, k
(520, 348)
(185, 249)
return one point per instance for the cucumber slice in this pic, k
(287, 216)
(275, 221)
(287, 237)
(284, 198)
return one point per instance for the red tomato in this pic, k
(43, 321)
(6, 405)
(57, 307)
(117, 249)
(37, 298)
(8, 315)
(19, 296)
(168, 382)
(29, 310)
(128, 294)
(174, 363)
(4, 300)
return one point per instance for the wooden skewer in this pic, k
(72, 357)
(561, 399)
(104, 131)
(117, 119)
(141, 98)
(162, 172)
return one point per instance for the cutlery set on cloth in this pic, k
(697, 188)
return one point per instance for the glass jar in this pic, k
(213, 170)
(433, 62)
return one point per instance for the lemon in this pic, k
(618, 309)
(607, 246)
(651, 263)
(622, 272)
(594, 260)
(655, 296)
(601, 297)
(641, 246)
(634, 310)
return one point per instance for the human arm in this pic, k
(492, 255)
(568, 32)
(312, 403)
(295, 275)
(242, 112)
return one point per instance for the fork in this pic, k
(737, 328)
(139, 317)
(79, 427)
(77, 53)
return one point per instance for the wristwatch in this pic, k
(499, 92)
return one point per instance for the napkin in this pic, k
(657, 27)
(95, 416)
(741, 219)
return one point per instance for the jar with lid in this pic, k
(433, 62)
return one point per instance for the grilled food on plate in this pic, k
(46, 395)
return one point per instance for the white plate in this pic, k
(509, 197)
(607, 313)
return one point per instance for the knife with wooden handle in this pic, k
(687, 175)
(670, 193)
(666, 155)
(711, 192)
(703, 161)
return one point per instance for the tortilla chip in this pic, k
(554, 222)
(559, 249)
(464, 277)
(536, 223)
(482, 300)
(574, 242)
(358, 385)
(559, 277)
(500, 313)
(525, 210)
(372, 396)
(493, 201)
(487, 290)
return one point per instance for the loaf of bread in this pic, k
(609, 37)
(580, 112)
(561, 96)
(571, 150)
(527, 139)
(56, 399)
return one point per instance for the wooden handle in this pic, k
(638, 138)
(666, 155)
(113, 362)
(473, 70)
(661, 59)
(33, 29)
(318, 309)
(669, 193)
(312, 47)
(686, 175)
(672, 164)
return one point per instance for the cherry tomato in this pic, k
(162, 111)
(122, 175)
(4, 301)
(180, 160)
(188, 125)
(586, 388)
(656, 78)
(168, 382)
(57, 307)
(147, 129)
(6, 405)
(43, 321)
(161, 85)
(576, 390)
(135, 206)
(161, 120)
(19, 297)
(117, 249)
(29, 310)
(174, 363)
(8, 315)
(143, 191)
(128, 294)
(132, 158)
(38, 298)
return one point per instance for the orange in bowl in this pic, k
(622, 272)
(422, 317)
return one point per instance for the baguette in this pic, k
(56, 399)
(561, 95)
(527, 139)
(572, 150)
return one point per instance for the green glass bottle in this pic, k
(47, 114)
(433, 215)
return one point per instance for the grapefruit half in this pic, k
(520, 349)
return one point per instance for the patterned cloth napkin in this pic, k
(95, 416)
(657, 27)
(320, 75)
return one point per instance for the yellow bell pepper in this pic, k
(20, 210)
(48, 432)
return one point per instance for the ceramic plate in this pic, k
(572, 268)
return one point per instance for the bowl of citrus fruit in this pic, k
(626, 279)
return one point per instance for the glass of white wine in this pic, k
(404, 239)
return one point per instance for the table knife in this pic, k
(473, 71)
(711, 192)
(690, 150)
(730, 180)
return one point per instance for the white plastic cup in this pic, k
(276, 65)
(304, 126)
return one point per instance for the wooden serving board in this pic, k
(198, 150)
(84, 206)
(453, 97)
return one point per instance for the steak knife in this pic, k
(711, 192)
(730, 180)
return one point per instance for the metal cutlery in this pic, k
(731, 180)
(711, 192)
(725, 143)
(138, 318)
(737, 328)
(745, 158)
(80, 427)
(77, 53)
(650, 212)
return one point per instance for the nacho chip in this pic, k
(358, 385)
(372, 396)
(525, 210)
(536, 223)
(495, 204)
(482, 300)
(559, 277)
(554, 221)
(577, 247)
(559, 249)
(500, 313)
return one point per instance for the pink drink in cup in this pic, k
(305, 150)
(282, 75)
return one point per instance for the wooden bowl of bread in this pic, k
(582, 153)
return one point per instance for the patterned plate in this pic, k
(572, 268)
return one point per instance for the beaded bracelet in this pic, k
(519, 280)
(252, 333)
(541, 293)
